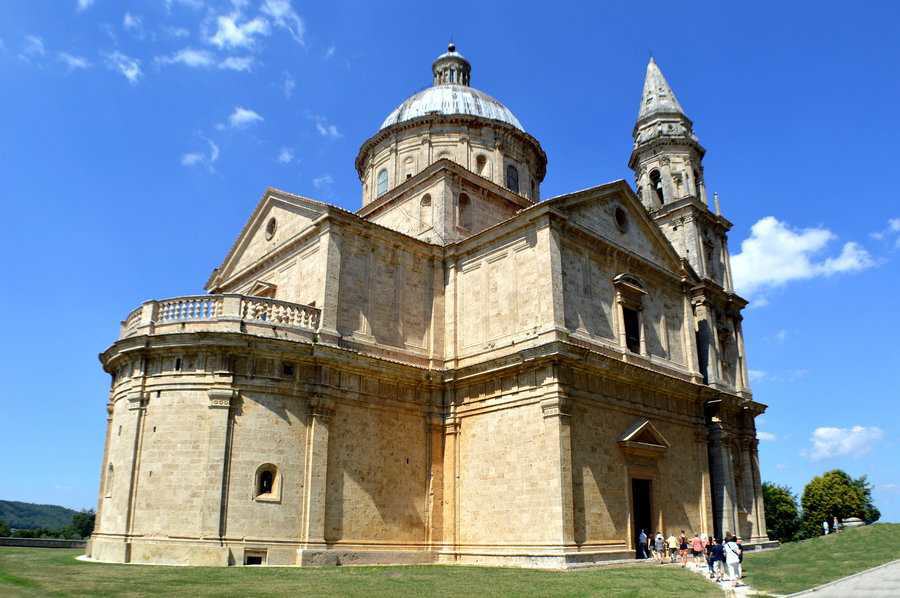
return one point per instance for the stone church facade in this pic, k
(456, 372)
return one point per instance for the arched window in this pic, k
(481, 165)
(465, 212)
(382, 183)
(425, 212)
(512, 178)
(657, 187)
(267, 486)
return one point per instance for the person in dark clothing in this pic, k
(717, 560)
(642, 545)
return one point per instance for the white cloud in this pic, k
(830, 442)
(766, 436)
(130, 68)
(192, 4)
(73, 62)
(32, 47)
(177, 32)
(326, 129)
(757, 375)
(231, 33)
(242, 117)
(83, 5)
(188, 57)
(133, 23)
(894, 225)
(321, 182)
(288, 85)
(201, 158)
(286, 155)
(284, 16)
(775, 254)
(893, 228)
(237, 63)
(329, 52)
(781, 335)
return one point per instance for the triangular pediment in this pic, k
(278, 218)
(643, 435)
(613, 213)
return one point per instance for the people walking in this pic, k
(660, 546)
(696, 548)
(642, 545)
(683, 548)
(825, 527)
(733, 560)
(717, 559)
(672, 545)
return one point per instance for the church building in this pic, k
(458, 372)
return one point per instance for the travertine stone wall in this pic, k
(266, 429)
(377, 475)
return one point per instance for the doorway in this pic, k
(640, 508)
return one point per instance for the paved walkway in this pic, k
(880, 581)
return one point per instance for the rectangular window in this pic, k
(632, 329)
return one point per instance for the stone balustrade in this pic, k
(198, 309)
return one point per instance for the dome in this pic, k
(452, 99)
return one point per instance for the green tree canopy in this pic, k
(83, 523)
(782, 514)
(836, 494)
(4, 529)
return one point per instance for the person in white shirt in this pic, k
(733, 560)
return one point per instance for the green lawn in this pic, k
(801, 565)
(49, 572)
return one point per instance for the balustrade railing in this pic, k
(209, 308)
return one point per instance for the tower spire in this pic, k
(658, 97)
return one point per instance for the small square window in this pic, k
(287, 370)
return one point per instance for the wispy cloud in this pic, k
(130, 68)
(73, 62)
(238, 63)
(194, 58)
(177, 32)
(134, 24)
(323, 182)
(83, 5)
(207, 158)
(890, 233)
(781, 336)
(757, 375)
(329, 53)
(775, 254)
(766, 436)
(828, 442)
(324, 128)
(285, 155)
(32, 48)
(192, 4)
(284, 16)
(232, 31)
(288, 84)
(243, 117)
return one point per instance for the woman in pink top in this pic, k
(696, 547)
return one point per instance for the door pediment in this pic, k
(644, 440)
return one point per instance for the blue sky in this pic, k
(138, 136)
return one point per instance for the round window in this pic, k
(621, 219)
(270, 228)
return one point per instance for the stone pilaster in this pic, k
(218, 440)
(722, 480)
(760, 532)
(320, 414)
(434, 498)
(328, 303)
(451, 428)
(98, 520)
(557, 431)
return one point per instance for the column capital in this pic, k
(557, 406)
(321, 408)
(221, 398)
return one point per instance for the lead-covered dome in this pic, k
(452, 99)
(451, 94)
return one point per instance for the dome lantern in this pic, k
(451, 67)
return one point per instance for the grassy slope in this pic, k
(41, 572)
(26, 515)
(801, 565)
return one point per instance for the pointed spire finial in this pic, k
(658, 95)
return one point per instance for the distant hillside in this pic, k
(26, 515)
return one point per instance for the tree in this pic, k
(4, 529)
(83, 522)
(782, 515)
(835, 494)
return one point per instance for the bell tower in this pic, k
(667, 160)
